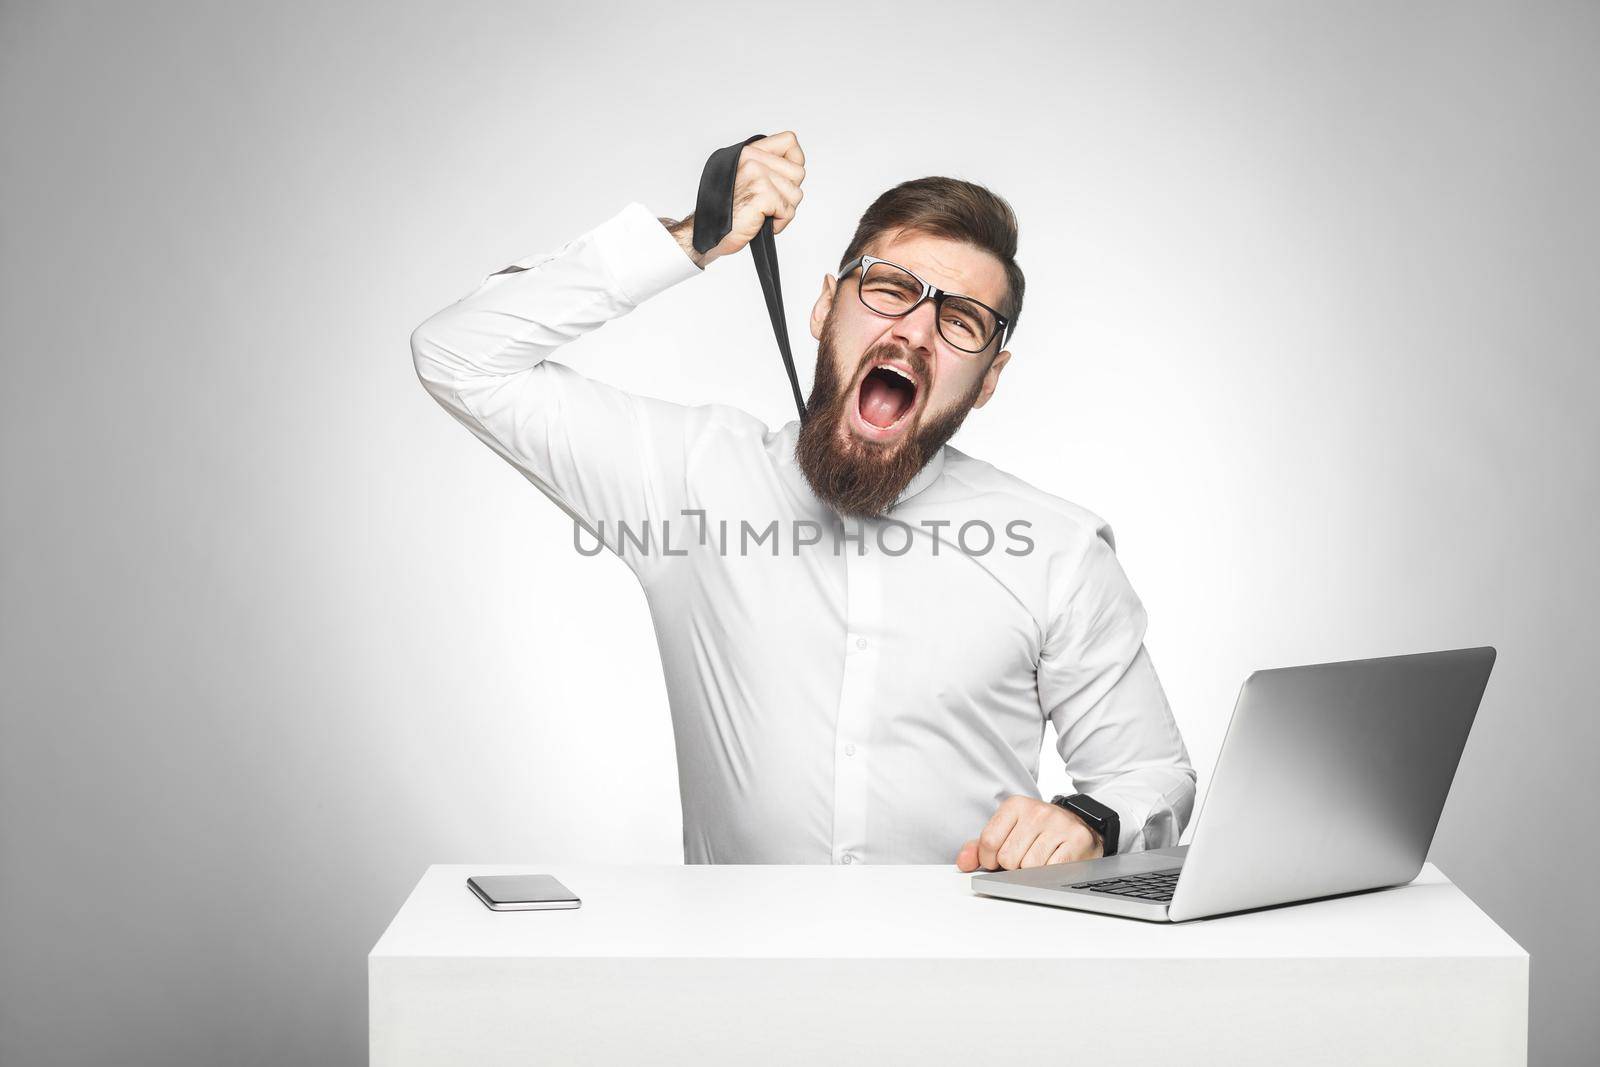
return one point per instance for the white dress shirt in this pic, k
(841, 690)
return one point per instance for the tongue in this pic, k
(881, 403)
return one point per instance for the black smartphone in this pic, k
(522, 892)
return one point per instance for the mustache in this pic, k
(915, 359)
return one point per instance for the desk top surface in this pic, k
(891, 911)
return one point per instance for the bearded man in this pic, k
(863, 630)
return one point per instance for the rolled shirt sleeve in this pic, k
(1114, 729)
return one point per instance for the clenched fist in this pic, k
(1029, 832)
(767, 182)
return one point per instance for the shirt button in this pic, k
(861, 642)
(847, 858)
(849, 750)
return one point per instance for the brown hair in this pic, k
(950, 208)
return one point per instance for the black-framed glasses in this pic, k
(889, 289)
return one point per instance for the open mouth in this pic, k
(887, 395)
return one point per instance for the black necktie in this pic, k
(713, 218)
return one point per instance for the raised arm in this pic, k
(604, 455)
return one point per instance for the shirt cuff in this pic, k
(1144, 824)
(641, 255)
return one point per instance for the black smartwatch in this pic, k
(1095, 815)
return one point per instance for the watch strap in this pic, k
(1101, 818)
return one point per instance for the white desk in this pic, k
(892, 964)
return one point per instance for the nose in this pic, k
(918, 329)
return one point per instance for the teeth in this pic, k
(895, 370)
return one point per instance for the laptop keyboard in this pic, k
(1156, 886)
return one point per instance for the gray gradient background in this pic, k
(1312, 320)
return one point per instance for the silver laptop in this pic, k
(1330, 780)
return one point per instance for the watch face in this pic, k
(1091, 807)
(1098, 817)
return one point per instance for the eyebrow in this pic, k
(963, 296)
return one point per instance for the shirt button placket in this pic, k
(863, 625)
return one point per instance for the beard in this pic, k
(850, 474)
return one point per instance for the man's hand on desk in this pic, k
(1029, 832)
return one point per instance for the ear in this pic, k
(991, 378)
(824, 304)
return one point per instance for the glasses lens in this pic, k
(966, 325)
(888, 290)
